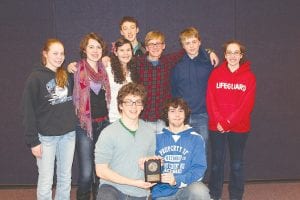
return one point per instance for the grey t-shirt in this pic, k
(118, 148)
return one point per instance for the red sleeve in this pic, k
(173, 58)
(212, 104)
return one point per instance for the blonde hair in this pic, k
(61, 75)
(154, 35)
(188, 33)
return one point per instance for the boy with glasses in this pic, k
(120, 147)
(154, 73)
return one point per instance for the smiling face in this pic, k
(191, 45)
(129, 31)
(93, 51)
(233, 55)
(176, 117)
(124, 53)
(155, 48)
(54, 56)
(131, 107)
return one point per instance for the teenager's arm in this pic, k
(72, 67)
(174, 82)
(176, 56)
(212, 105)
(173, 58)
(246, 106)
(213, 57)
(29, 105)
(104, 172)
(106, 61)
(197, 167)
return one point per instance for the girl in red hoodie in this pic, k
(230, 100)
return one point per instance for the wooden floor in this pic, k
(253, 191)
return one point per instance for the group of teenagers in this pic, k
(117, 110)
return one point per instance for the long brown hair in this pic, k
(116, 66)
(61, 75)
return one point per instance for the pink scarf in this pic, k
(81, 92)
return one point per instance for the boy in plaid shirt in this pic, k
(154, 73)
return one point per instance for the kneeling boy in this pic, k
(183, 153)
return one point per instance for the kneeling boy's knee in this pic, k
(199, 191)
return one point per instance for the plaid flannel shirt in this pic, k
(156, 80)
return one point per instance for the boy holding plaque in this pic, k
(120, 147)
(183, 153)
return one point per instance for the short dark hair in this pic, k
(133, 89)
(175, 103)
(128, 19)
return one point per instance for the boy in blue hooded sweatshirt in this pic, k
(189, 79)
(183, 154)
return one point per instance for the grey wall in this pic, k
(269, 29)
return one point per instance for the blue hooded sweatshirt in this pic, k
(184, 156)
(189, 80)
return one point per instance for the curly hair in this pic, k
(175, 103)
(116, 67)
(131, 89)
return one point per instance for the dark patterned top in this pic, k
(156, 80)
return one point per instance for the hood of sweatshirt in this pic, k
(187, 131)
(245, 67)
(42, 69)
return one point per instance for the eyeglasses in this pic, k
(235, 53)
(130, 102)
(151, 45)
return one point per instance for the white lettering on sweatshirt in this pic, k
(173, 148)
(231, 86)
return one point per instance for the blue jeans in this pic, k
(108, 192)
(60, 148)
(85, 151)
(195, 191)
(236, 144)
(200, 123)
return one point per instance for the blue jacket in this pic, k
(189, 80)
(184, 156)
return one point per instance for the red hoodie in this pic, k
(230, 98)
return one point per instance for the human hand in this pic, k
(220, 128)
(37, 151)
(168, 178)
(143, 184)
(143, 160)
(106, 61)
(72, 67)
(214, 59)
